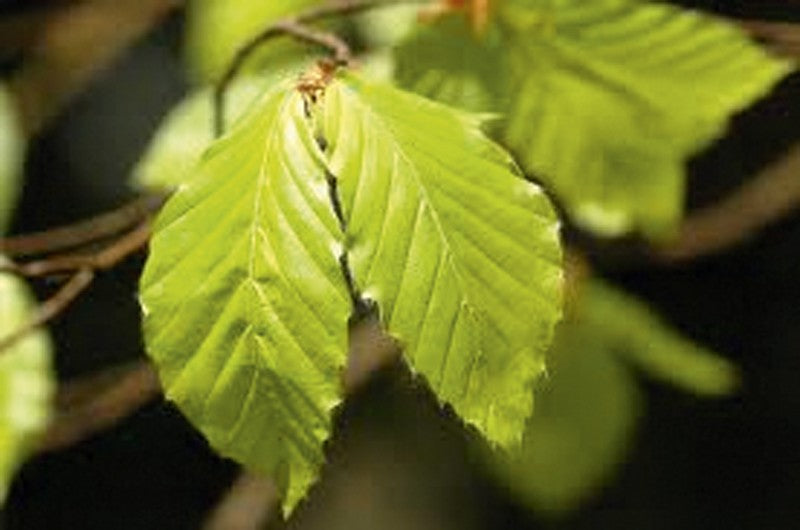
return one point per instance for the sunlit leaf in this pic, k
(461, 254)
(27, 381)
(188, 130)
(245, 305)
(216, 29)
(606, 99)
(12, 147)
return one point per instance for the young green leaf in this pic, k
(216, 29)
(27, 381)
(640, 337)
(245, 305)
(12, 150)
(461, 254)
(188, 130)
(663, 79)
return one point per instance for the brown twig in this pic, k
(85, 268)
(249, 504)
(83, 232)
(105, 259)
(52, 307)
(91, 405)
(297, 27)
(782, 38)
(769, 196)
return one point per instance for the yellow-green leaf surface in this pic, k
(188, 130)
(608, 98)
(461, 254)
(216, 29)
(12, 147)
(587, 407)
(245, 306)
(27, 381)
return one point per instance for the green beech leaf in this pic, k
(27, 381)
(586, 412)
(12, 149)
(216, 29)
(245, 305)
(605, 99)
(461, 254)
(188, 130)
(643, 339)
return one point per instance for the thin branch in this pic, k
(52, 307)
(85, 267)
(105, 259)
(782, 38)
(766, 198)
(94, 404)
(83, 232)
(249, 504)
(297, 27)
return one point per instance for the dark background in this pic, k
(396, 461)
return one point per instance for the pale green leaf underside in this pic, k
(188, 130)
(641, 338)
(12, 147)
(245, 307)
(461, 254)
(216, 29)
(607, 99)
(27, 381)
(586, 412)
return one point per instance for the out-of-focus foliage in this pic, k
(460, 252)
(187, 131)
(12, 152)
(641, 339)
(217, 28)
(586, 410)
(26, 381)
(602, 100)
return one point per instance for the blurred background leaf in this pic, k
(27, 381)
(215, 29)
(12, 154)
(586, 411)
(604, 101)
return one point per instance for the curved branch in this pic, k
(92, 405)
(52, 307)
(85, 267)
(769, 196)
(83, 232)
(297, 27)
